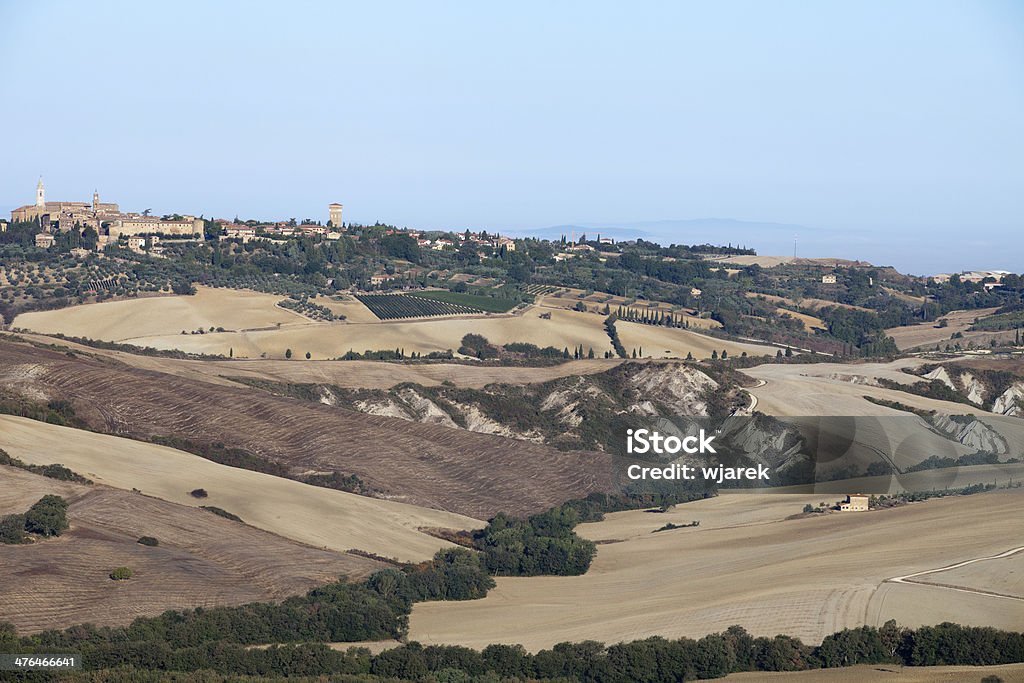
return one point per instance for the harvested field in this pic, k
(348, 306)
(232, 309)
(564, 329)
(838, 389)
(428, 465)
(746, 564)
(806, 302)
(202, 560)
(672, 342)
(930, 334)
(772, 261)
(566, 298)
(1004, 575)
(354, 374)
(887, 673)
(316, 516)
(926, 480)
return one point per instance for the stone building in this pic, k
(335, 214)
(64, 214)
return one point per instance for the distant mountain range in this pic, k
(763, 236)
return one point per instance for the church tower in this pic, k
(95, 200)
(40, 193)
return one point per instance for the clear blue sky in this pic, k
(900, 121)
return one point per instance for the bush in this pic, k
(121, 574)
(198, 493)
(222, 513)
(12, 529)
(149, 540)
(48, 517)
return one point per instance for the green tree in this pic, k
(12, 529)
(48, 517)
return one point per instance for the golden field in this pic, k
(316, 516)
(256, 328)
(748, 564)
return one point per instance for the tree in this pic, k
(12, 529)
(789, 352)
(48, 517)
(308, 356)
(288, 353)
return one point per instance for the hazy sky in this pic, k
(900, 121)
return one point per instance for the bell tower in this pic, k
(95, 200)
(40, 193)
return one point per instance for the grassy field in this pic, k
(202, 559)
(484, 303)
(747, 564)
(315, 516)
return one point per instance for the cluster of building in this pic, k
(477, 239)
(137, 230)
(105, 218)
(991, 278)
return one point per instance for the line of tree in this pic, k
(652, 660)
(646, 316)
(613, 334)
(53, 471)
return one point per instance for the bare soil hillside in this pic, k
(428, 465)
(202, 559)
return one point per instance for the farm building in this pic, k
(857, 502)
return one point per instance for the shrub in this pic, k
(222, 513)
(149, 540)
(121, 574)
(198, 493)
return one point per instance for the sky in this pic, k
(886, 131)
